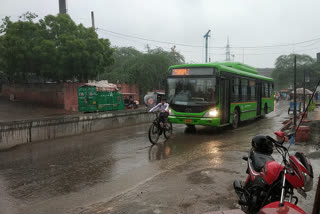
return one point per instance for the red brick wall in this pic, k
(44, 94)
(132, 89)
(64, 95)
(70, 91)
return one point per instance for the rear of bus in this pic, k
(193, 95)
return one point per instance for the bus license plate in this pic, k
(188, 121)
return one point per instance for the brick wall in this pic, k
(59, 95)
(43, 94)
(70, 91)
(130, 89)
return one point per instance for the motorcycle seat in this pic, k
(259, 160)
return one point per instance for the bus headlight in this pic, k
(171, 112)
(212, 113)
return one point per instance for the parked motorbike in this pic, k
(269, 187)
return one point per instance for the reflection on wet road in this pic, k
(105, 171)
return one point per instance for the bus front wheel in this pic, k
(236, 119)
(191, 126)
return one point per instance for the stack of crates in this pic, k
(91, 100)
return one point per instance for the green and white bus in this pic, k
(217, 94)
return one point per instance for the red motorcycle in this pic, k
(269, 187)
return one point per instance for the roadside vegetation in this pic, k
(51, 49)
(146, 69)
(56, 49)
(283, 72)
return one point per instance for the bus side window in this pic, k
(266, 91)
(252, 86)
(235, 89)
(244, 87)
(270, 89)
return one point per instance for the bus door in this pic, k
(225, 101)
(259, 97)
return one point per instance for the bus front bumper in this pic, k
(204, 121)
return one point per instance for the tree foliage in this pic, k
(284, 68)
(147, 70)
(53, 48)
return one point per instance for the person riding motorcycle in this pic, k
(164, 110)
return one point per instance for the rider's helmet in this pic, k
(262, 145)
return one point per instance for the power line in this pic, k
(222, 47)
(150, 40)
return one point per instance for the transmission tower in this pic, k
(228, 51)
(62, 6)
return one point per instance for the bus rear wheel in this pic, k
(235, 119)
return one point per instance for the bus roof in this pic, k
(231, 67)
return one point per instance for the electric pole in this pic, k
(92, 20)
(62, 7)
(206, 36)
(228, 51)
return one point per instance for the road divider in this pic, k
(26, 131)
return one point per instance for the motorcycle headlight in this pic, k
(308, 182)
(212, 113)
(171, 112)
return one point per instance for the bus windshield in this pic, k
(193, 91)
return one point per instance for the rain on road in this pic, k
(118, 171)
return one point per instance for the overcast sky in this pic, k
(248, 23)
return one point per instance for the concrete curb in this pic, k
(26, 131)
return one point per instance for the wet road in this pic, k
(117, 171)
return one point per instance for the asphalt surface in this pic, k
(118, 171)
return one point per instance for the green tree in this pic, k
(284, 67)
(147, 70)
(53, 48)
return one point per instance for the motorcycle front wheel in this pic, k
(154, 133)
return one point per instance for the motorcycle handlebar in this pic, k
(276, 143)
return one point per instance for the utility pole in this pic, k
(92, 20)
(62, 7)
(207, 36)
(228, 51)
(295, 92)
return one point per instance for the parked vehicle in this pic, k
(130, 103)
(271, 184)
(98, 97)
(153, 98)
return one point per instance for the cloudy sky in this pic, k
(288, 26)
